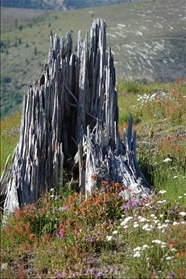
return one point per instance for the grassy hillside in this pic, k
(58, 4)
(146, 38)
(157, 108)
(64, 235)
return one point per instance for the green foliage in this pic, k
(82, 237)
(131, 86)
(5, 79)
(35, 51)
(9, 137)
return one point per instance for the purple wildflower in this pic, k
(60, 275)
(134, 203)
(171, 275)
(156, 207)
(89, 239)
(90, 271)
(64, 207)
(99, 274)
(76, 275)
(125, 207)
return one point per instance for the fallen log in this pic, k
(70, 118)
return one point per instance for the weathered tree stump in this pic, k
(70, 120)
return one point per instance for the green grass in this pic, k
(64, 235)
(9, 137)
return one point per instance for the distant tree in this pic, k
(27, 61)
(19, 41)
(1, 44)
(27, 45)
(6, 79)
(49, 24)
(15, 43)
(20, 27)
(35, 50)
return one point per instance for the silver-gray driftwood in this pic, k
(70, 120)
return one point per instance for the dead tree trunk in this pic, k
(70, 118)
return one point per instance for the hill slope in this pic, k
(58, 4)
(147, 40)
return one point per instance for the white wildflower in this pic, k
(167, 160)
(157, 222)
(147, 227)
(136, 225)
(125, 226)
(162, 192)
(175, 223)
(137, 249)
(114, 232)
(142, 219)
(180, 197)
(126, 220)
(147, 204)
(173, 249)
(157, 241)
(153, 216)
(137, 254)
(109, 237)
(162, 226)
(182, 213)
(161, 202)
(4, 266)
(168, 221)
(145, 246)
(169, 258)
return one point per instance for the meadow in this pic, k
(146, 38)
(64, 235)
